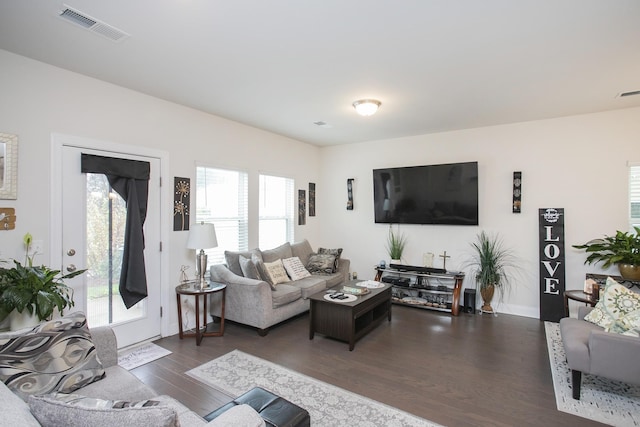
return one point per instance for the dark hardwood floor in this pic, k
(456, 371)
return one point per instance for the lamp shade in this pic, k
(202, 236)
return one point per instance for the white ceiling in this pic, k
(281, 65)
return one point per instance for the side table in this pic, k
(193, 288)
(578, 295)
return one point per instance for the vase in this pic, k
(23, 320)
(396, 261)
(487, 295)
(629, 271)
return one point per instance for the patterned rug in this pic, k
(236, 373)
(606, 401)
(137, 356)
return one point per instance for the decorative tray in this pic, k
(355, 291)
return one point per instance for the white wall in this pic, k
(38, 100)
(577, 163)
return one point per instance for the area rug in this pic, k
(606, 401)
(137, 356)
(236, 373)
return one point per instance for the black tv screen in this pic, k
(433, 194)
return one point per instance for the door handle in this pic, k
(71, 268)
(71, 252)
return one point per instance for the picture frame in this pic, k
(8, 166)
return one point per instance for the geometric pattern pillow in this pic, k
(78, 411)
(627, 325)
(295, 269)
(334, 252)
(321, 264)
(57, 355)
(615, 304)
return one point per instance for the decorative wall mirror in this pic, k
(8, 166)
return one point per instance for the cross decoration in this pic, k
(444, 257)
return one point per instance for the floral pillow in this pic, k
(335, 252)
(321, 264)
(618, 309)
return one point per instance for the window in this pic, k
(634, 196)
(276, 211)
(221, 199)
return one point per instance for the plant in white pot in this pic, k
(492, 266)
(396, 243)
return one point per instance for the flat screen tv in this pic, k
(432, 194)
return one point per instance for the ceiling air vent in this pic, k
(92, 24)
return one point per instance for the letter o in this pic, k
(552, 251)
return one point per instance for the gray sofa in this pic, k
(591, 350)
(117, 384)
(255, 302)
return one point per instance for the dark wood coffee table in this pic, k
(349, 321)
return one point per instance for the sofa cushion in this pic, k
(295, 268)
(284, 294)
(15, 411)
(335, 252)
(276, 272)
(233, 260)
(74, 410)
(310, 285)
(57, 355)
(281, 252)
(249, 268)
(321, 263)
(333, 279)
(118, 382)
(616, 302)
(302, 250)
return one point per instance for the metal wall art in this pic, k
(517, 192)
(302, 207)
(181, 203)
(350, 194)
(312, 199)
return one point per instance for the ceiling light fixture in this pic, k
(367, 107)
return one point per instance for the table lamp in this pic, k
(202, 236)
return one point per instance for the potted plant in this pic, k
(622, 249)
(492, 265)
(395, 245)
(34, 290)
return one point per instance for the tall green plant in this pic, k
(35, 289)
(491, 262)
(623, 248)
(395, 244)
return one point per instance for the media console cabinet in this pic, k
(429, 290)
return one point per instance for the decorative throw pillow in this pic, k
(57, 355)
(335, 252)
(294, 268)
(262, 272)
(249, 269)
(615, 303)
(321, 264)
(627, 325)
(276, 272)
(233, 260)
(71, 410)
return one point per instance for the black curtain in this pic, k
(130, 179)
